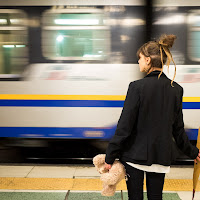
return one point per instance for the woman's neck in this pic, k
(153, 69)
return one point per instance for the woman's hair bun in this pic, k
(167, 40)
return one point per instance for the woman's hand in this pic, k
(108, 166)
(197, 158)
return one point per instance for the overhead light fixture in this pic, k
(8, 46)
(132, 22)
(194, 20)
(173, 19)
(13, 46)
(19, 46)
(15, 21)
(3, 21)
(76, 21)
(60, 38)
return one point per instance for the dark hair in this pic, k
(159, 52)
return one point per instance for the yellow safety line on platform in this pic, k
(81, 184)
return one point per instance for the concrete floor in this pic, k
(78, 172)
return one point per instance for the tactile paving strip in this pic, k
(82, 184)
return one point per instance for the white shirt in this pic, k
(152, 168)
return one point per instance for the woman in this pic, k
(150, 122)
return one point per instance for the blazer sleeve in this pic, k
(180, 136)
(125, 124)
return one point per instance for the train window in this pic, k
(194, 35)
(13, 43)
(75, 34)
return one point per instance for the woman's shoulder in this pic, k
(138, 84)
(175, 86)
(144, 82)
(178, 88)
(135, 84)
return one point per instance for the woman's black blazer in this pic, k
(150, 122)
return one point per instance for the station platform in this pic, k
(62, 182)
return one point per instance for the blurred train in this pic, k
(65, 65)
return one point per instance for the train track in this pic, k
(55, 160)
(75, 153)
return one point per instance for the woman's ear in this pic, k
(148, 60)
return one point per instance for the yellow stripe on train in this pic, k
(60, 97)
(75, 97)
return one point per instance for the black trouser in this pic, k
(135, 182)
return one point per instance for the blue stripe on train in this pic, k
(192, 133)
(58, 132)
(191, 105)
(78, 103)
(76, 133)
(62, 103)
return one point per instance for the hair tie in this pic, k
(161, 43)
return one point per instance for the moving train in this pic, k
(65, 66)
